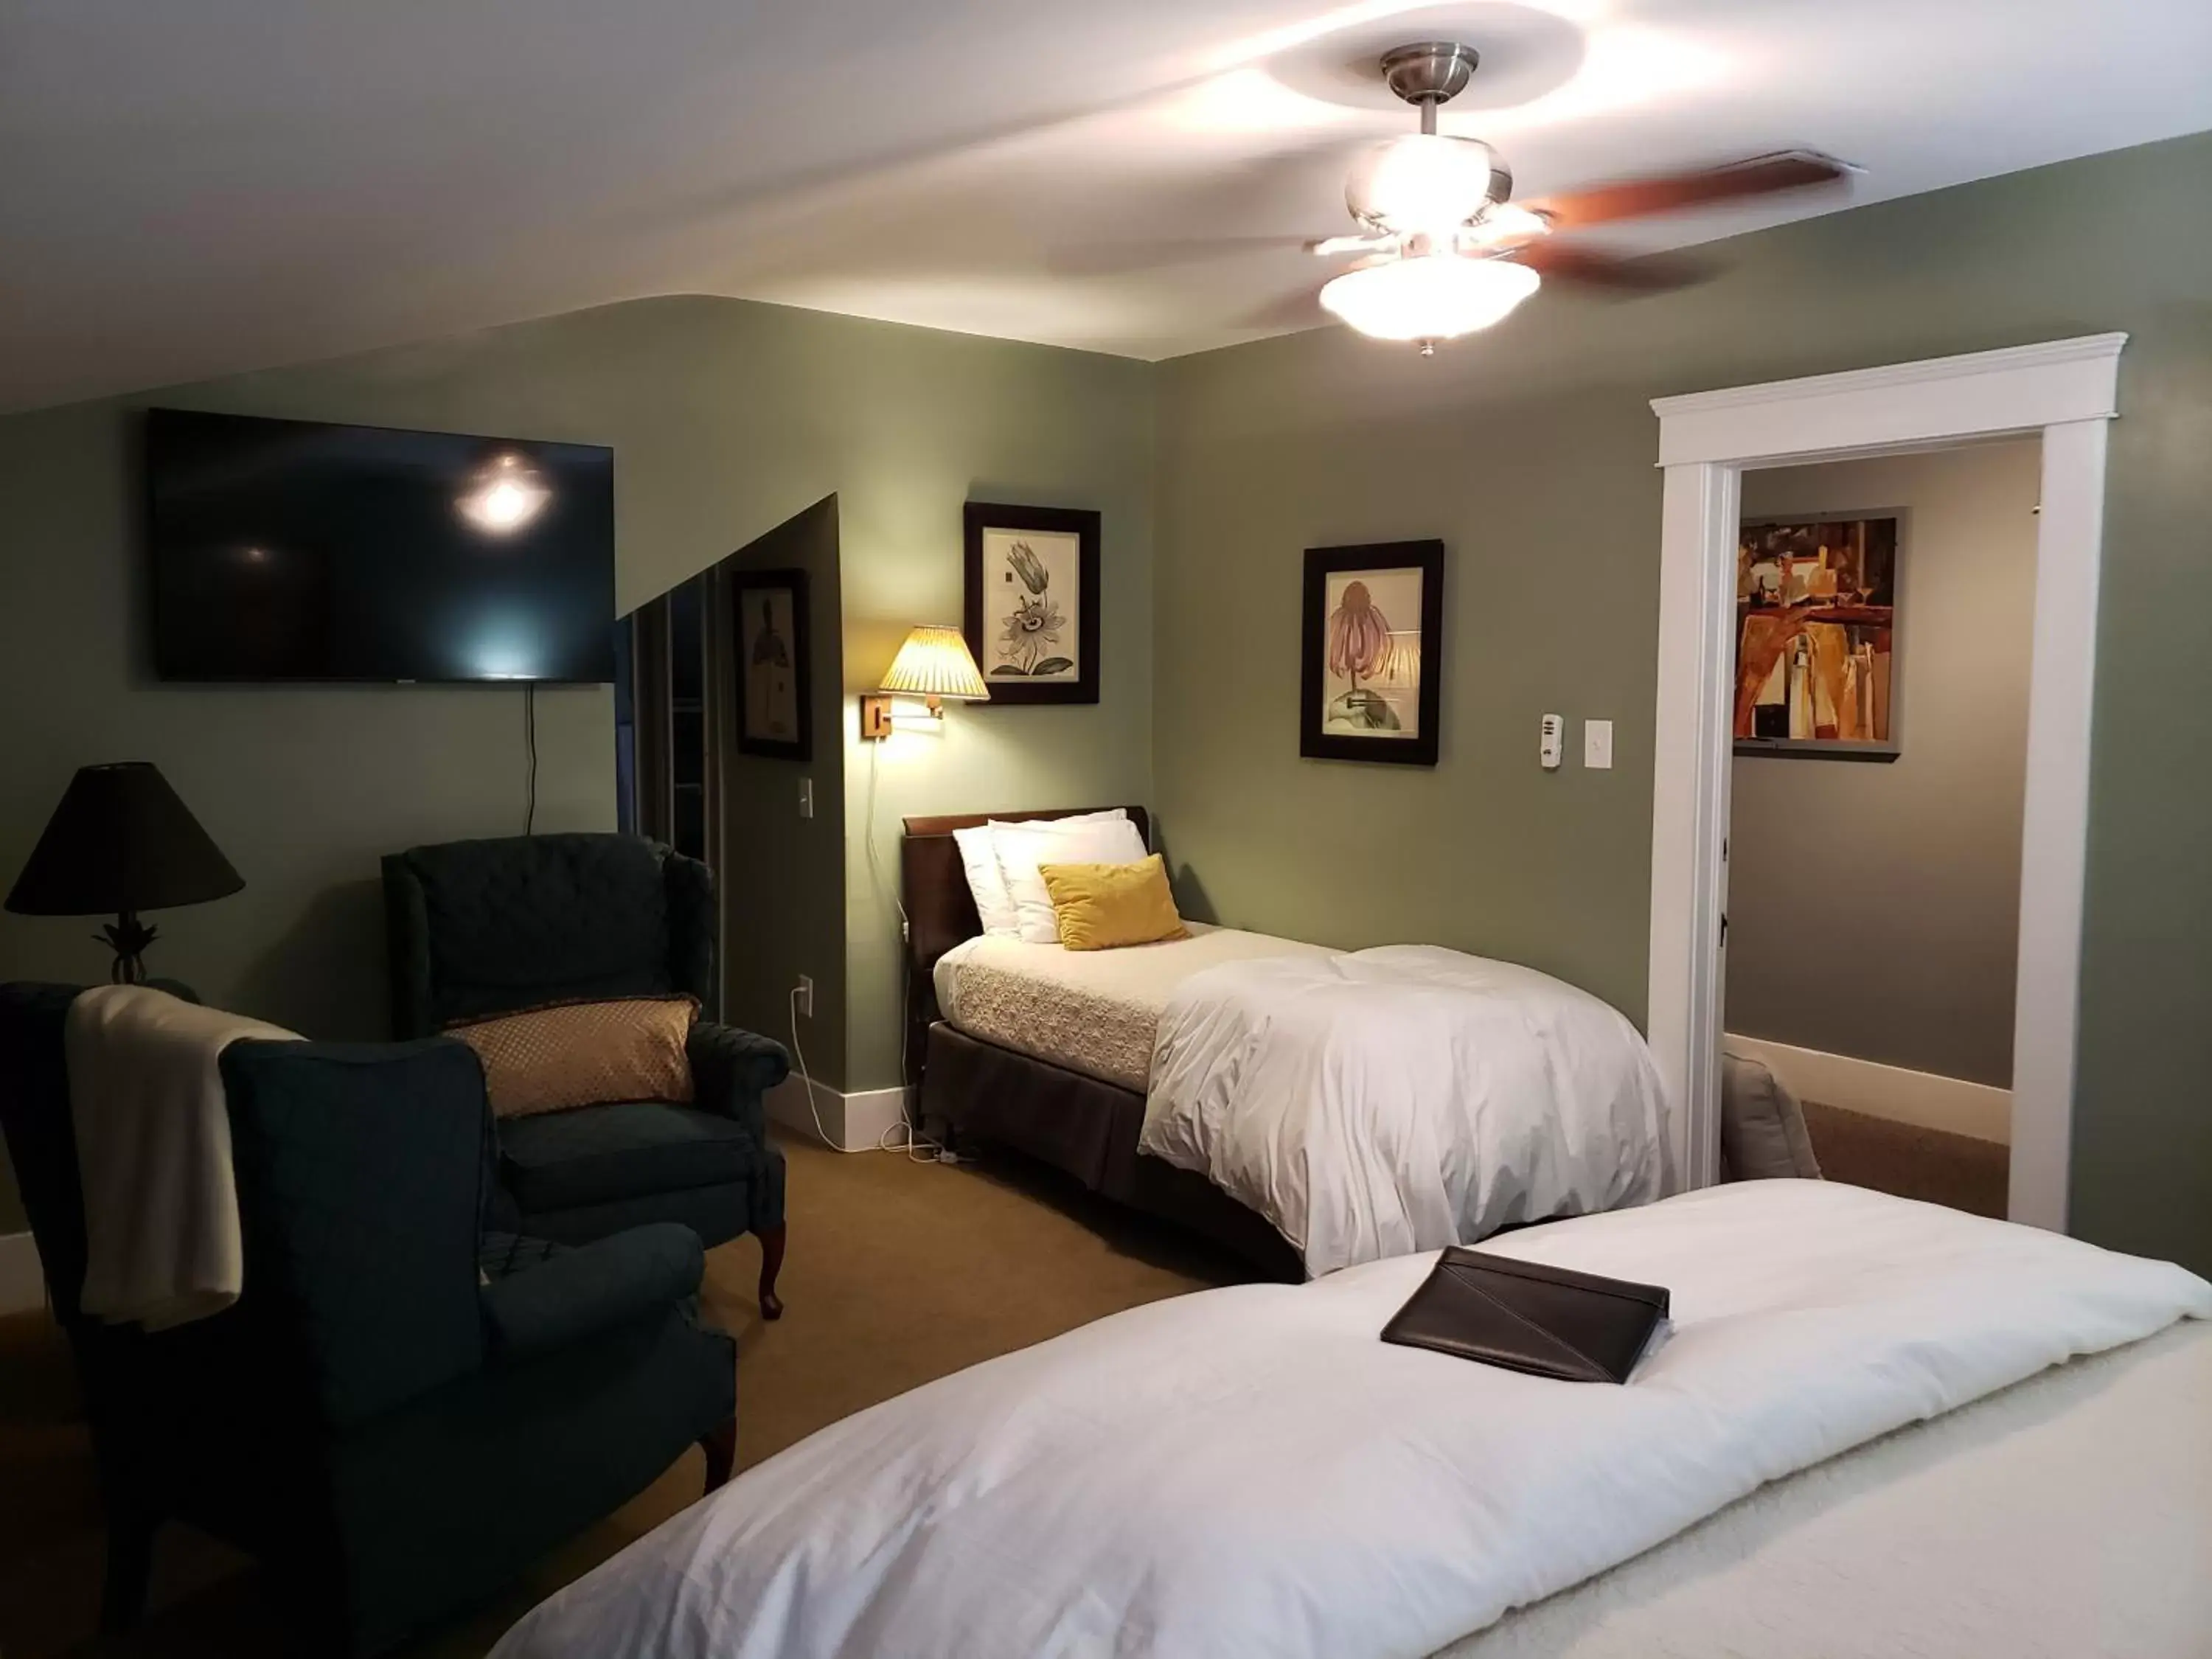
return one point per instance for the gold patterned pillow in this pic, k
(583, 1054)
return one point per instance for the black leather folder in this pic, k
(1527, 1316)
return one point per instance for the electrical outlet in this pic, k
(803, 997)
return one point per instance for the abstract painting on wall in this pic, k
(1816, 627)
(1372, 652)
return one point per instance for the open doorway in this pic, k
(1885, 620)
(2062, 392)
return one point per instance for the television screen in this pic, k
(292, 550)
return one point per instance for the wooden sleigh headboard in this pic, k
(940, 911)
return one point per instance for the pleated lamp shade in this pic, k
(935, 662)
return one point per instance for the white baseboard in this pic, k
(852, 1123)
(1920, 1098)
(23, 1284)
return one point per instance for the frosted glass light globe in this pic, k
(1438, 296)
(1421, 183)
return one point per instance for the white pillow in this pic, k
(1087, 839)
(993, 904)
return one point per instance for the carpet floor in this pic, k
(1958, 1171)
(899, 1272)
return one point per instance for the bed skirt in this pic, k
(1086, 1129)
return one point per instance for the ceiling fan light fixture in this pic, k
(1422, 182)
(1438, 296)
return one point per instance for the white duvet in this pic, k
(1250, 1471)
(1381, 1101)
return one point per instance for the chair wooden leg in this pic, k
(129, 1566)
(721, 1449)
(771, 1242)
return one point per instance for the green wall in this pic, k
(727, 419)
(783, 876)
(1530, 450)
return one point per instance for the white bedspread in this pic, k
(2069, 1517)
(1250, 1471)
(1381, 1101)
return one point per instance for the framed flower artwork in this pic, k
(1372, 652)
(1032, 602)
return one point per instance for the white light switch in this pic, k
(1597, 745)
(806, 797)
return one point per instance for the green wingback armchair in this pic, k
(403, 1409)
(479, 927)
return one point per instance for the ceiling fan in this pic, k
(1445, 250)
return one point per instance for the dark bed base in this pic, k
(1086, 1129)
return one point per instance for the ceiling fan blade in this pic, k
(1655, 273)
(1634, 198)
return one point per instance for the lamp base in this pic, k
(128, 937)
(875, 718)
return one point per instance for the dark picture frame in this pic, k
(1881, 535)
(1015, 613)
(1322, 717)
(756, 681)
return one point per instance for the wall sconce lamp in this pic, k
(934, 663)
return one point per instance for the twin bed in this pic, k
(1310, 1109)
(1048, 1051)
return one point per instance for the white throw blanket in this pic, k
(153, 1152)
(1251, 1471)
(1386, 1101)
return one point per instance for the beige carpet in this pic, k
(898, 1273)
(1912, 1163)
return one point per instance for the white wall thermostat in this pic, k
(1550, 745)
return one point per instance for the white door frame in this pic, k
(2062, 392)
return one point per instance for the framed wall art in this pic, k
(1372, 652)
(1032, 617)
(775, 716)
(1816, 630)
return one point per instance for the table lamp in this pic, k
(122, 842)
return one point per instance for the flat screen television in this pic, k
(292, 550)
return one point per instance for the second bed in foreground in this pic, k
(1251, 1471)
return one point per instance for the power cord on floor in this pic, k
(918, 1147)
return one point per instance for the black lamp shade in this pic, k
(121, 842)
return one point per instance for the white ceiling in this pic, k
(191, 188)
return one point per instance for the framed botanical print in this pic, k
(1816, 630)
(775, 716)
(1032, 617)
(1372, 652)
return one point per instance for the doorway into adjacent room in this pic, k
(1884, 628)
(1712, 446)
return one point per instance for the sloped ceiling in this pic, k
(196, 189)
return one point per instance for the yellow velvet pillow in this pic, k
(583, 1054)
(1100, 907)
